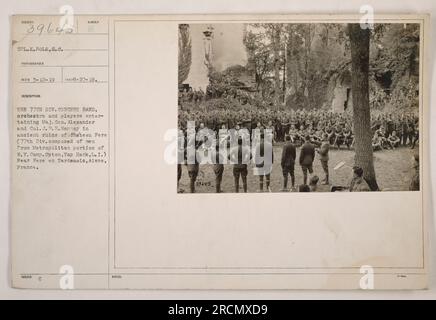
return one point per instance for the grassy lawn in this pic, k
(393, 171)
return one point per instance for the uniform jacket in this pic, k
(307, 154)
(324, 151)
(288, 155)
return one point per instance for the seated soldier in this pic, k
(381, 132)
(313, 183)
(300, 137)
(339, 140)
(319, 133)
(358, 183)
(316, 140)
(348, 137)
(376, 142)
(331, 135)
(394, 140)
(293, 133)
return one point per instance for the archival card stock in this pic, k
(219, 152)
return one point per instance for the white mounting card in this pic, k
(115, 132)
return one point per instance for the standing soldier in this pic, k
(414, 183)
(324, 157)
(192, 163)
(288, 162)
(193, 169)
(411, 132)
(272, 131)
(218, 167)
(181, 145)
(285, 127)
(307, 155)
(415, 133)
(403, 130)
(240, 156)
(263, 161)
(390, 125)
(255, 134)
(223, 136)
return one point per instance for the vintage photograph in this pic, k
(298, 107)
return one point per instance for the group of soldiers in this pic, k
(391, 132)
(315, 131)
(262, 155)
(388, 130)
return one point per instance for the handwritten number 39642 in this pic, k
(49, 28)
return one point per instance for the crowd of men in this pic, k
(389, 130)
(315, 131)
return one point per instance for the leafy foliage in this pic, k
(300, 65)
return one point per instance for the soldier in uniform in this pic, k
(411, 132)
(285, 125)
(404, 130)
(193, 169)
(181, 147)
(288, 162)
(307, 155)
(394, 140)
(339, 140)
(331, 134)
(293, 133)
(240, 156)
(324, 157)
(255, 134)
(390, 125)
(381, 134)
(263, 161)
(414, 183)
(358, 183)
(193, 165)
(303, 188)
(218, 167)
(313, 183)
(271, 129)
(348, 136)
(415, 134)
(223, 136)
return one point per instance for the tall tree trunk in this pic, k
(289, 58)
(307, 45)
(359, 42)
(276, 53)
(285, 56)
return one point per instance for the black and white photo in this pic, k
(298, 107)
